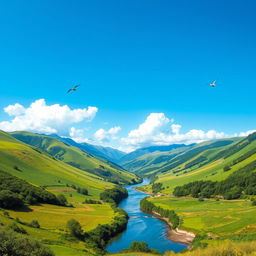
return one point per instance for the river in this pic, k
(142, 226)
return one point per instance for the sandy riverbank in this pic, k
(177, 235)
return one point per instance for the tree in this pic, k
(62, 199)
(139, 247)
(10, 200)
(74, 228)
(13, 244)
(34, 224)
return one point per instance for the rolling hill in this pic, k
(77, 157)
(31, 165)
(147, 150)
(214, 160)
(106, 153)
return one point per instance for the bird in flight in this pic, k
(213, 84)
(73, 88)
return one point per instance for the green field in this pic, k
(40, 169)
(76, 157)
(211, 170)
(211, 217)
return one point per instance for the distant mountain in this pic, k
(76, 157)
(143, 151)
(106, 153)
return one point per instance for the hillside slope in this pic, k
(76, 157)
(147, 163)
(36, 167)
(106, 153)
(207, 161)
(147, 150)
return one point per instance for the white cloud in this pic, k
(243, 134)
(157, 129)
(175, 128)
(14, 110)
(43, 118)
(102, 135)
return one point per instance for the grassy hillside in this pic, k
(207, 161)
(40, 169)
(106, 153)
(149, 163)
(76, 157)
(126, 159)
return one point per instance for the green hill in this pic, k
(32, 166)
(36, 167)
(214, 160)
(77, 157)
(106, 153)
(150, 162)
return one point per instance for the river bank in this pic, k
(142, 226)
(177, 235)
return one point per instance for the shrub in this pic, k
(12, 244)
(34, 224)
(14, 227)
(74, 228)
(62, 200)
(10, 200)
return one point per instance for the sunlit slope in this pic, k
(39, 168)
(209, 164)
(149, 163)
(76, 157)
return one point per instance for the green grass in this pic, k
(75, 156)
(210, 171)
(219, 218)
(41, 169)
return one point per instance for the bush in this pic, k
(82, 191)
(14, 227)
(34, 224)
(74, 228)
(27, 192)
(62, 200)
(114, 195)
(10, 200)
(139, 247)
(12, 244)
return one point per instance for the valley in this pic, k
(207, 189)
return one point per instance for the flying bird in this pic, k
(213, 84)
(73, 89)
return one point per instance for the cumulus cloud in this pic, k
(43, 118)
(102, 135)
(243, 134)
(157, 129)
(14, 110)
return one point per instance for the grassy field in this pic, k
(75, 156)
(41, 169)
(215, 218)
(211, 171)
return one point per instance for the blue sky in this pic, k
(131, 58)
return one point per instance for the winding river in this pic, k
(142, 226)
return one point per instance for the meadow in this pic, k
(210, 217)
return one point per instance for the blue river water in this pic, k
(142, 226)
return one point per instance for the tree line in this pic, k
(242, 181)
(15, 193)
(169, 214)
(114, 195)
